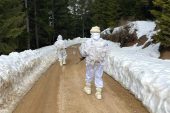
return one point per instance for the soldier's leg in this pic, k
(64, 56)
(98, 80)
(89, 78)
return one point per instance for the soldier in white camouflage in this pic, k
(94, 49)
(61, 50)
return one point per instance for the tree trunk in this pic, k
(36, 26)
(27, 24)
(53, 18)
(83, 25)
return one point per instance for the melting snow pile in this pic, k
(140, 71)
(19, 71)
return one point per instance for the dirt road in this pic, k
(59, 90)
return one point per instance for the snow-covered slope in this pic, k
(140, 27)
(137, 32)
(143, 28)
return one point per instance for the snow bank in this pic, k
(75, 41)
(141, 72)
(137, 69)
(19, 71)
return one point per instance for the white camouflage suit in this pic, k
(94, 49)
(61, 50)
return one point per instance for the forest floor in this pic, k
(59, 90)
(165, 53)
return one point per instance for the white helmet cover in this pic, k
(60, 37)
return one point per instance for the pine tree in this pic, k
(27, 23)
(11, 24)
(105, 13)
(98, 16)
(41, 31)
(162, 14)
(127, 8)
(142, 9)
(135, 9)
(45, 30)
(81, 20)
(61, 18)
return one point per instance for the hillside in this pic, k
(137, 33)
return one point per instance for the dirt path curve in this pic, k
(59, 90)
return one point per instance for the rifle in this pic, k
(81, 59)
